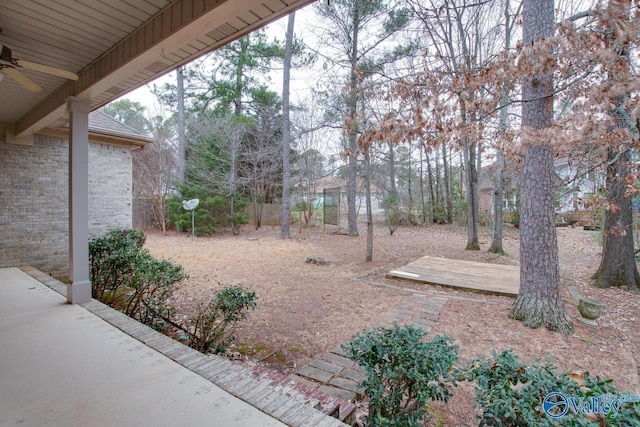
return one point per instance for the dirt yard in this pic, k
(305, 310)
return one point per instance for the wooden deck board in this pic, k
(495, 279)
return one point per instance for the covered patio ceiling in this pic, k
(115, 46)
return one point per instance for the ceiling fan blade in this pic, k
(19, 77)
(5, 53)
(46, 69)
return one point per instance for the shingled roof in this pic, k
(102, 124)
(105, 129)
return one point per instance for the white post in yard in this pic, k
(79, 290)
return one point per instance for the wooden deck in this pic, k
(494, 279)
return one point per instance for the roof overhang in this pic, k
(101, 137)
(114, 47)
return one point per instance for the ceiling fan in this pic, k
(11, 67)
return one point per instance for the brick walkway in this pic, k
(336, 374)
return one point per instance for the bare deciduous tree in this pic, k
(155, 169)
(358, 28)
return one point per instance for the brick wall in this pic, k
(34, 187)
(110, 181)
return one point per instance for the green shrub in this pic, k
(211, 327)
(110, 258)
(152, 284)
(511, 393)
(127, 277)
(212, 211)
(206, 216)
(404, 373)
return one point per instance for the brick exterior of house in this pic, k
(34, 199)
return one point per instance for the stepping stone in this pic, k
(315, 374)
(347, 395)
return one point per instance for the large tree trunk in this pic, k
(618, 265)
(539, 302)
(285, 216)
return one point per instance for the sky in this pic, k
(302, 81)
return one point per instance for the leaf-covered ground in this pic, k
(305, 310)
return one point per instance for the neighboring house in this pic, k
(574, 184)
(331, 182)
(34, 188)
(511, 182)
(579, 185)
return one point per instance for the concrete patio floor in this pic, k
(62, 365)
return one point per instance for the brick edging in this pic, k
(279, 396)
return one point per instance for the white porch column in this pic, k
(79, 291)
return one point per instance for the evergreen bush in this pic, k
(211, 327)
(511, 393)
(127, 277)
(404, 373)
